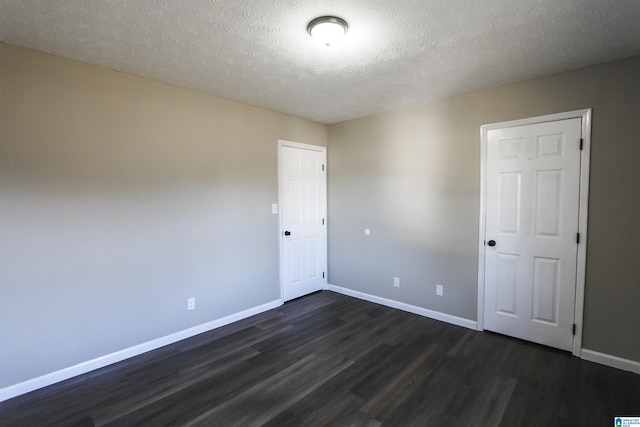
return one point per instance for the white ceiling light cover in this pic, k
(328, 30)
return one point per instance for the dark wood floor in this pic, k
(328, 359)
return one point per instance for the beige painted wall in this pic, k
(412, 177)
(120, 198)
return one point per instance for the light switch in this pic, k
(274, 208)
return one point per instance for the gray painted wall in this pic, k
(412, 177)
(119, 199)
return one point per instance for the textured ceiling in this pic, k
(397, 53)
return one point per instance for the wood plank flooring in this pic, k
(328, 359)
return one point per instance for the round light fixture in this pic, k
(328, 29)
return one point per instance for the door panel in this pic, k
(532, 198)
(303, 198)
(510, 203)
(548, 202)
(506, 282)
(545, 290)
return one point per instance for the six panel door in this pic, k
(303, 199)
(532, 195)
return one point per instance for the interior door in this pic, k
(303, 219)
(532, 207)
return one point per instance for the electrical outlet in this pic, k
(396, 282)
(439, 290)
(191, 304)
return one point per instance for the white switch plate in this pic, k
(396, 282)
(439, 290)
(274, 208)
(191, 304)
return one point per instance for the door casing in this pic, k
(301, 146)
(585, 156)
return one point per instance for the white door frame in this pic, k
(299, 145)
(585, 155)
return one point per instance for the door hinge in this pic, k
(581, 143)
(574, 329)
(322, 221)
(578, 238)
(323, 274)
(323, 168)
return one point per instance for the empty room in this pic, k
(309, 213)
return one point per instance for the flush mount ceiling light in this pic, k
(328, 30)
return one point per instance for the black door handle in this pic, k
(287, 233)
(491, 243)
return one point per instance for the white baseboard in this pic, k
(100, 362)
(436, 315)
(609, 360)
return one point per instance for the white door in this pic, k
(531, 231)
(303, 219)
